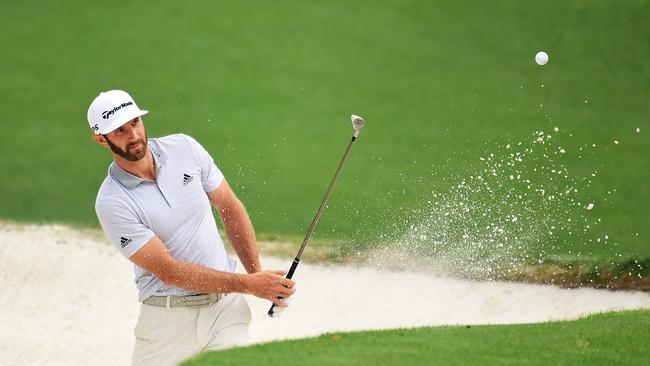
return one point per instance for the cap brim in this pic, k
(119, 122)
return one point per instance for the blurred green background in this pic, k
(268, 87)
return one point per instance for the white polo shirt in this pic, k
(175, 207)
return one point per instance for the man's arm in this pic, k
(155, 258)
(239, 228)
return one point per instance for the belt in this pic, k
(189, 301)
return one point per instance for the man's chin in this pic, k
(136, 157)
(136, 153)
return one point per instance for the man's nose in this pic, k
(132, 135)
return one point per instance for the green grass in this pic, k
(606, 339)
(268, 88)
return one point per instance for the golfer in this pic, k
(155, 207)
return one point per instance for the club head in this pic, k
(357, 123)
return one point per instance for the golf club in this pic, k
(357, 124)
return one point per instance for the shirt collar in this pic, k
(159, 156)
(131, 181)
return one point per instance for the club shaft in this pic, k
(312, 227)
(323, 203)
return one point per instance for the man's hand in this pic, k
(270, 285)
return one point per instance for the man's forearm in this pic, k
(241, 235)
(195, 277)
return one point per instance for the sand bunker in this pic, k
(68, 299)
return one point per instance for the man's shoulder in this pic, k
(109, 192)
(110, 185)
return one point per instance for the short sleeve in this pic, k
(211, 176)
(122, 227)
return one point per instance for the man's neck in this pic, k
(143, 168)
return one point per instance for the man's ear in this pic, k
(101, 140)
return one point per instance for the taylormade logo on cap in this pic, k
(107, 114)
(111, 110)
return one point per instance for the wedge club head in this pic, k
(357, 124)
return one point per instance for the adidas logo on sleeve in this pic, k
(125, 241)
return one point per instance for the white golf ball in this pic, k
(541, 58)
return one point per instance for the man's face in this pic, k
(129, 140)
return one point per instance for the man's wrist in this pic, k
(245, 283)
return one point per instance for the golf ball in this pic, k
(541, 58)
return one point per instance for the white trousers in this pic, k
(167, 336)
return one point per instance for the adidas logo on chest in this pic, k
(187, 179)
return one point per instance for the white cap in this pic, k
(112, 109)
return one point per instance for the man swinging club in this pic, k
(155, 207)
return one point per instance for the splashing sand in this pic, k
(518, 207)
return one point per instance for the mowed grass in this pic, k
(606, 339)
(268, 87)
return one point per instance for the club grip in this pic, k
(274, 311)
(294, 265)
